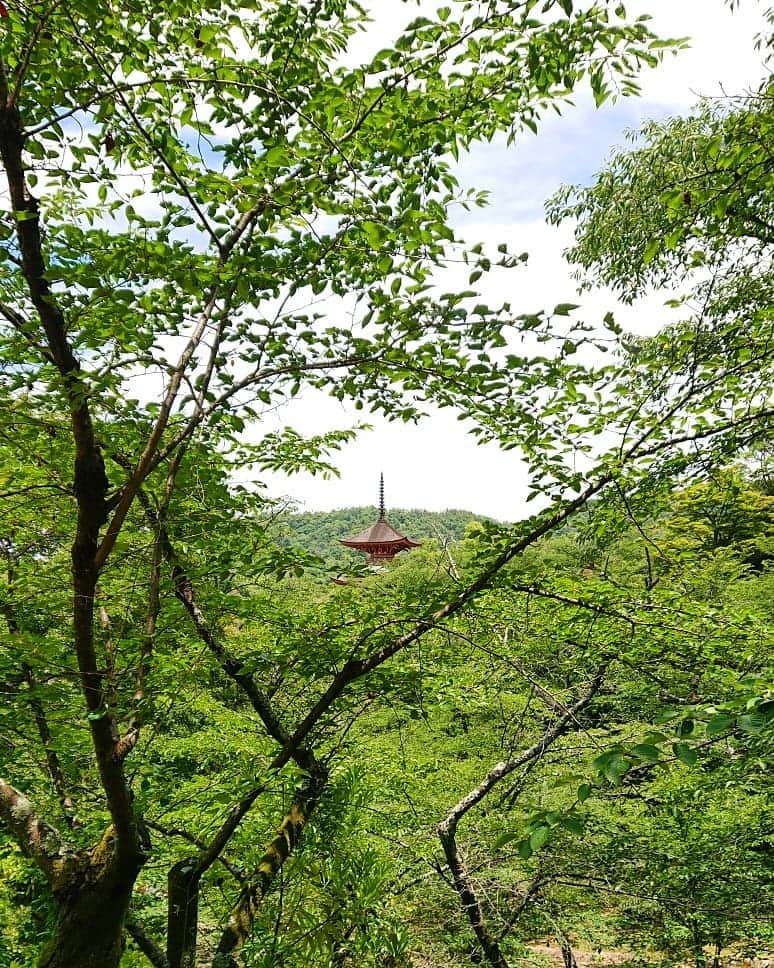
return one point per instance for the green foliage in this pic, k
(689, 201)
(318, 532)
(231, 210)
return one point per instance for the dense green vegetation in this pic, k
(558, 729)
(319, 532)
(644, 827)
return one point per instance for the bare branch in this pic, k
(447, 829)
(138, 933)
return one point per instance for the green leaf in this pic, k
(538, 838)
(685, 728)
(753, 722)
(684, 753)
(719, 724)
(651, 251)
(505, 838)
(573, 824)
(584, 792)
(645, 751)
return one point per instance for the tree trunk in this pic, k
(700, 958)
(568, 956)
(183, 913)
(716, 953)
(92, 906)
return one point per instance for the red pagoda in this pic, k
(381, 541)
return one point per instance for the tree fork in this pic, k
(447, 829)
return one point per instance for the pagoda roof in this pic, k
(380, 533)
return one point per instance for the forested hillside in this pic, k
(319, 531)
(550, 743)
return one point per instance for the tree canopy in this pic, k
(210, 753)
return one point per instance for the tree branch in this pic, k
(90, 480)
(288, 835)
(36, 838)
(53, 764)
(447, 829)
(145, 943)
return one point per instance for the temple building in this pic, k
(381, 541)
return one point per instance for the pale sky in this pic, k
(436, 465)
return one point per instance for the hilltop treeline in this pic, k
(319, 531)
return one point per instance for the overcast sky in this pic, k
(436, 465)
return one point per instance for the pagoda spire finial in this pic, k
(382, 511)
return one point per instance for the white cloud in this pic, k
(437, 465)
(721, 59)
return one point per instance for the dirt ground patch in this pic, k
(585, 959)
(598, 959)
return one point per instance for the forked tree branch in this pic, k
(183, 885)
(447, 829)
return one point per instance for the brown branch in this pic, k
(90, 483)
(36, 838)
(24, 61)
(184, 877)
(236, 873)
(524, 901)
(229, 663)
(144, 464)
(447, 829)
(258, 375)
(24, 327)
(53, 764)
(138, 933)
(157, 152)
(152, 454)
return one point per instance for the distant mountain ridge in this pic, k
(319, 531)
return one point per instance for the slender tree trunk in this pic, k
(716, 953)
(447, 830)
(567, 953)
(468, 899)
(183, 913)
(700, 958)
